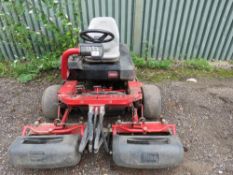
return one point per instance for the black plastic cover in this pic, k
(147, 151)
(81, 70)
(45, 152)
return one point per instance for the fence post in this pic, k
(137, 31)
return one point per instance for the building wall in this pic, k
(161, 29)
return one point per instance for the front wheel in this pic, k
(50, 102)
(151, 101)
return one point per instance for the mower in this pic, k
(100, 105)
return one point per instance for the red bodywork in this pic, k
(68, 95)
(72, 97)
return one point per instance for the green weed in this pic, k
(231, 61)
(151, 63)
(4, 68)
(180, 73)
(155, 71)
(198, 64)
(162, 64)
(26, 70)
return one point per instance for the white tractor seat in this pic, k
(111, 49)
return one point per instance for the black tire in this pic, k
(151, 101)
(49, 102)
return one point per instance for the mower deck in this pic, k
(134, 144)
(43, 152)
(147, 151)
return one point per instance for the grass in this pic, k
(198, 64)
(231, 61)
(27, 70)
(180, 73)
(147, 70)
(152, 63)
(156, 71)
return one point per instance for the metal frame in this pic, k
(96, 99)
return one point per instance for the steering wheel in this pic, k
(103, 38)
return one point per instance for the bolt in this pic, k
(118, 121)
(145, 128)
(37, 123)
(163, 121)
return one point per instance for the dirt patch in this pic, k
(203, 112)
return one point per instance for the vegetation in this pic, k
(26, 70)
(178, 70)
(180, 73)
(39, 34)
(150, 70)
(198, 64)
(152, 63)
(50, 30)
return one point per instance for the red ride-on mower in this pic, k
(99, 82)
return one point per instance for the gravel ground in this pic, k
(203, 112)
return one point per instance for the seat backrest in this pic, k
(111, 49)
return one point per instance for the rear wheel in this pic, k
(50, 102)
(151, 101)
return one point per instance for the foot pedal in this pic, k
(45, 152)
(147, 152)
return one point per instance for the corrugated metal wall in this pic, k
(162, 29)
(187, 29)
(30, 16)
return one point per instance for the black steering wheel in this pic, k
(101, 39)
